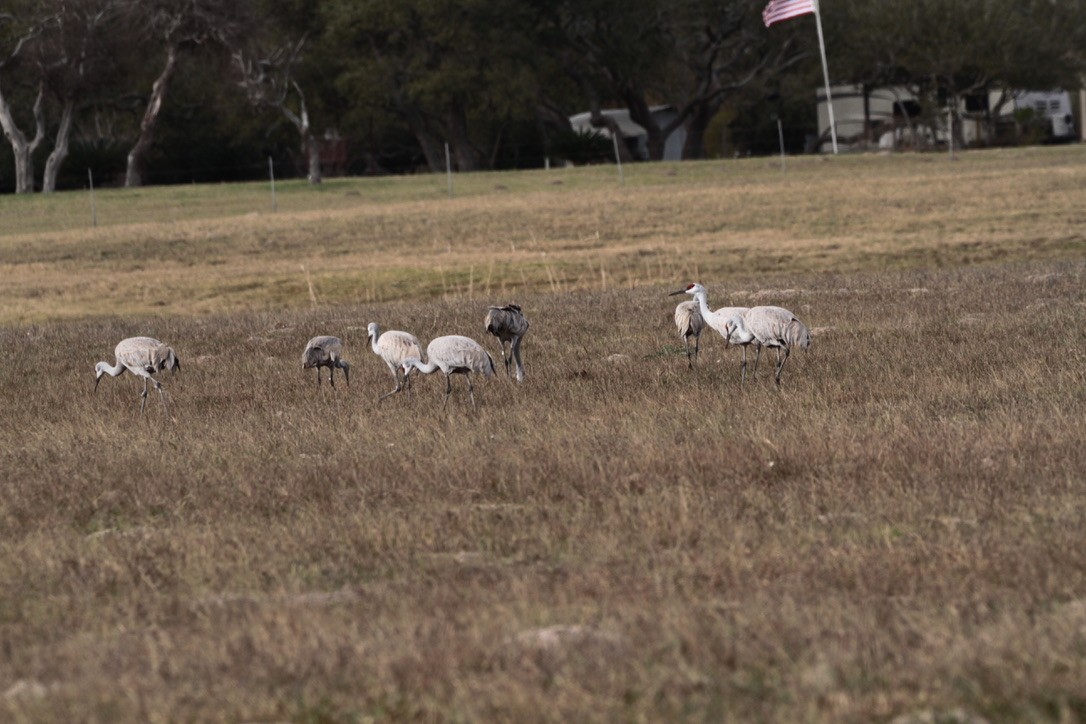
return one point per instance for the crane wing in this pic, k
(398, 346)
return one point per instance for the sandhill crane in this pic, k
(509, 325)
(394, 347)
(771, 327)
(689, 322)
(143, 357)
(325, 351)
(718, 319)
(453, 355)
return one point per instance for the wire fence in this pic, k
(270, 186)
(108, 165)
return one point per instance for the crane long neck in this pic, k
(703, 304)
(104, 368)
(373, 339)
(423, 367)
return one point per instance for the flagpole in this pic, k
(826, 76)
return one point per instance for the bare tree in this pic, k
(18, 61)
(69, 56)
(180, 26)
(57, 52)
(268, 78)
(21, 147)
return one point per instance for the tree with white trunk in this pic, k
(56, 45)
(178, 27)
(22, 30)
(268, 78)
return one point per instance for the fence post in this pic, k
(950, 131)
(271, 176)
(780, 137)
(448, 169)
(1082, 114)
(618, 159)
(94, 208)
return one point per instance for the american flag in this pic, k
(778, 10)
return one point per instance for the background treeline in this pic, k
(176, 91)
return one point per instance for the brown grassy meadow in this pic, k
(897, 533)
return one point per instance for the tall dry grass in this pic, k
(897, 532)
(214, 249)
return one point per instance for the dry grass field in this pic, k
(897, 534)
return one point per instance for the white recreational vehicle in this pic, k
(896, 119)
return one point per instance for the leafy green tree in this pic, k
(690, 54)
(453, 72)
(868, 44)
(723, 49)
(945, 50)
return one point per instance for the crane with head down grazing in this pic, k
(689, 322)
(774, 327)
(394, 347)
(143, 357)
(717, 319)
(326, 351)
(454, 355)
(509, 325)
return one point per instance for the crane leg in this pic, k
(689, 359)
(781, 361)
(318, 377)
(448, 391)
(346, 374)
(757, 356)
(396, 389)
(331, 375)
(507, 359)
(162, 396)
(400, 386)
(743, 367)
(697, 346)
(471, 390)
(143, 396)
